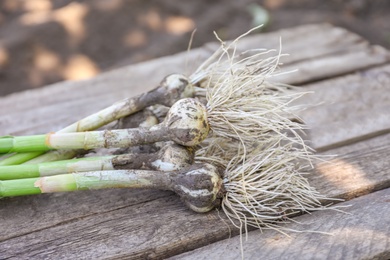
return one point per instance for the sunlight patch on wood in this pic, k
(279, 240)
(343, 174)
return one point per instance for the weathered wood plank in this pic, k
(338, 40)
(362, 233)
(346, 109)
(358, 169)
(335, 65)
(53, 209)
(112, 223)
(159, 226)
(141, 231)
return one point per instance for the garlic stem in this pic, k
(171, 89)
(198, 185)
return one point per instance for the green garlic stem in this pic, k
(84, 181)
(199, 185)
(18, 188)
(5, 142)
(85, 140)
(143, 118)
(172, 88)
(19, 158)
(169, 158)
(55, 168)
(56, 155)
(186, 124)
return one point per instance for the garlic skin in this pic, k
(173, 157)
(200, 187)
(175, 87)
(187, 122)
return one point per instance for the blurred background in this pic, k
(43, 41)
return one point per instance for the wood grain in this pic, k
(346, 109)
(362, 232)
(355, 170)
(155, 224)
(134, 224)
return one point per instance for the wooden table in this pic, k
(351, 81)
